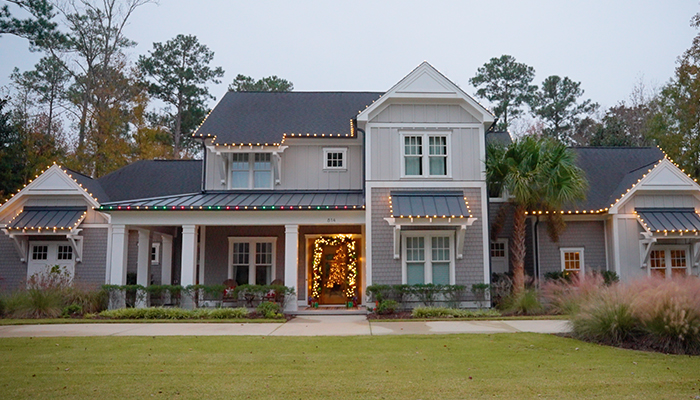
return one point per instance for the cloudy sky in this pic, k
(369, 45)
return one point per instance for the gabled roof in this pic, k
(265, 117)
(611, 171)
(152, 178)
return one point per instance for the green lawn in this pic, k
(507, 366)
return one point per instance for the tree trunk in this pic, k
(518, 249)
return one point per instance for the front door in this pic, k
(334, 269)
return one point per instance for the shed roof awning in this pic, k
(441, 204)
(246, 200)
(51, 218)
(669, 219)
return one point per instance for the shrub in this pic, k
(445, 312)
(427, 293)
(454, 295)
(669, 311)
(610, 277)
(228, 313)
(175, 313)
(526, 302)
(379, 292)
(479, 291)
(386, 307)
(72, 310)
(269, 309)
(3, 306)
(605, 316)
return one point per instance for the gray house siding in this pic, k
(216, 247)
(386, 270)
(91, 270)
(590, 235)
(12, 271)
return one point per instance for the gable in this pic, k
(665, 182)
(425, 113)
(427, 85)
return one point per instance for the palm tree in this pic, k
(537, 174)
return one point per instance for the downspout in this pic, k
(537, 247)
(364, 155)
(204, 166)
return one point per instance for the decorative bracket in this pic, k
(397, 242)
(460, 241)
(646, 243)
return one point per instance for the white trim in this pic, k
(340, 150)
(436, 182)
(667, 257)
(251, 255)
(155, 246)
(582, 263)
(428, 262)
(426, 125)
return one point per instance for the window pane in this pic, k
(414, 166)
(413, 145)
(65, 253)
(334, 160)
(263, 253)
(262, 171)
(240, 274)
(438, 165)
(415, 249)
(441, 248)
(415, 273)
(40, 252)
(438, 145)
(441, 273)
(239, 179)
(262, 275)
(241, 253)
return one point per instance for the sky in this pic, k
(608, 46)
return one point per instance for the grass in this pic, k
(390, 367)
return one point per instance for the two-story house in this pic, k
(329, 192)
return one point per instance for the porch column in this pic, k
(117, 262)
(167, 260)
(189, 261)
(291, 264)
(142, 266)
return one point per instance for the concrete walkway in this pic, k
(329, 325)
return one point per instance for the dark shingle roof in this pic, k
(33, 217)
(92, 185)
(611, 171)
(248, 200)
(152, 178)
(264, 117)
(670, 219)
(429, 204)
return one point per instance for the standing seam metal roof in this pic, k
(669, 219)
(33, 217)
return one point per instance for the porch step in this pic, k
(332, 311)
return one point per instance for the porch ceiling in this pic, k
(247, 200)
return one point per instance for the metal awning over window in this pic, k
(447, 204)
(669, 219)
(47, 218)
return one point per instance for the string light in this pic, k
(317, 267)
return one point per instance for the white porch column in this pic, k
(291, 264)
(189, 255)
(167, 260)
(143, 261)
(117, 262)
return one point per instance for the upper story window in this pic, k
(335, 158)
(425, 154)
(251, 171)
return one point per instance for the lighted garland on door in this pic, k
(337, 240)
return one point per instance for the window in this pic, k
(155, 253)
(40, 252)
(572, 260)
(65, 253)
(498, 249)
(499, 256)
(335, 158)
(428, 258)
(252, 260)
(251, 170)
(416, 164)
(668, 261)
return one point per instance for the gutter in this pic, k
(364, 155)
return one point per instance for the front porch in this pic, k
(249, 248)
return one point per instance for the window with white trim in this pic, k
(65, 252)
(251, 171)
(40, 252)
(335, 158)
(252, 260)
(425, 154)
(668, 261)
(428, 257)
(155, 253)
(572, 260)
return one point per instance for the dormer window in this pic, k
(335, 158)
(425, 154)
(251, 171)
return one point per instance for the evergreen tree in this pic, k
(272, 83)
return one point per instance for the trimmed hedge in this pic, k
(175, 313)
(444, 312)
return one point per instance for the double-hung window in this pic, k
(251, 171)
(251, 260)
(425, 154)
(428, 258)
